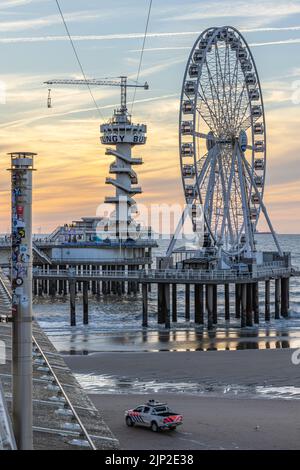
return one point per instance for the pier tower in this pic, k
(121, 133)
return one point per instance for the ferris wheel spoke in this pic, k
(235, 82)
(242, 119)
(238, 106)
(209, 118)
(210, 124)
(201, 135)
(227, 197)
(229, 81)
(205, 166)
(208, 205)
(245, 201)
(225, 112)
(215, 111)
(214, 90)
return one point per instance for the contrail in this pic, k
(254, 44)
(108, 37)
(112, 37)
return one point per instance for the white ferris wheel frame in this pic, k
(209, 39)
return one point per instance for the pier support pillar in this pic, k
(35, 290)
(215, 304)
(72, 303)
(249, 308)
(285, 297)
(174, 303)
(103, 282)
(255, 301)
(267, 301)
(199, 316)
(40, 284)
(52, 287)
(145, 304)
(160, 317)
(166, 304)
(277, 299)
(108, 283)
(210, 305)
(85, 297)
(94, 283)
(238, 291)
(187, 303)
(227, 305)
(244, 305)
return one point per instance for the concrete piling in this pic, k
(267, 301)
(249, 307)
(174, 303)
(210, 305)
(243, 305)
(277, 299)
(85, 298)
(199, 314)
(215, 304)
(145, 304)
(166, 305)
(285, 297)
(238, 291)
(72, 288)
(187, 303)
(227, 305)
(160, 312)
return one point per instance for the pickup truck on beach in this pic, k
(154, 415)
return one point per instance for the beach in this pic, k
(229, 399)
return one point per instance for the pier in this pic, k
(205, 284)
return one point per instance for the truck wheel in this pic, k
(154, 427)
(129, 421)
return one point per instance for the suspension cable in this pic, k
(77, 58)
(142, 53)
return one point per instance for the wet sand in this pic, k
(273, 367)
(210, 422)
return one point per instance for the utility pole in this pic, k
(21, 280)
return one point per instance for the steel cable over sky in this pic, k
(142, 53)
(77, 58)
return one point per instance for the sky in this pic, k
(71, 163)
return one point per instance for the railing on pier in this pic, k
(173, 275)
(109, 261)
(44, 243)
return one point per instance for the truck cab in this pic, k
(154, 415)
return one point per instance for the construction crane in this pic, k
(94, 82)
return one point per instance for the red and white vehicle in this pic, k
(154, 415)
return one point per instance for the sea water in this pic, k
(115, 322)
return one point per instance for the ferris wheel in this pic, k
(222, 137)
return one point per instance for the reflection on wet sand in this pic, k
(180, 340)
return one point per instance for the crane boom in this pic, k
(94, 82)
